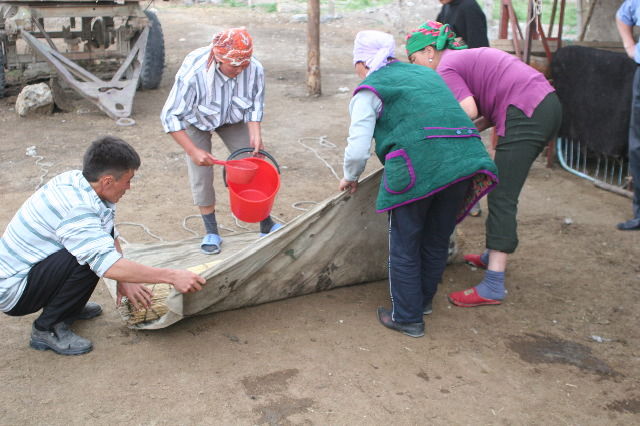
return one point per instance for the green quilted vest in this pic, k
(424, 139)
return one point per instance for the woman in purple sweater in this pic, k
(495, 89)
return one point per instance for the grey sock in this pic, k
(492, 286)
(266, 224)
(210, 223)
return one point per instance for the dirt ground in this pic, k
(323, 358)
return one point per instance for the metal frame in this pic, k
(114, 97)
(534, 30)
(26, 20)
(604, 171)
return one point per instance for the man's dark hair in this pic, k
(109, 156)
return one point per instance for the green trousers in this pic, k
(524, 139)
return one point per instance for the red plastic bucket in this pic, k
(252, 202)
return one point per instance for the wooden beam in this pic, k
(537, 47)
(313, 48)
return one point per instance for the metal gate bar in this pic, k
(603, 170)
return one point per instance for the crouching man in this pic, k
(62, 240)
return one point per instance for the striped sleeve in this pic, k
(81, 233)
(256, 112)
(179, 103)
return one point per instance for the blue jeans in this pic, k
(419, 235)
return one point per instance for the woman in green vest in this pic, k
(435, 169)
(526, 112)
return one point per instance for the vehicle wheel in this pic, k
(151, 73)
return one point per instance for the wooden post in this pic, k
(585, 26)
(313, 48)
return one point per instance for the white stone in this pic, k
(35, 99)
(299, 18)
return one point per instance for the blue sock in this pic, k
(484, 257)
(492, 286)
(210, 223)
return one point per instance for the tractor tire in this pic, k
(153, 65)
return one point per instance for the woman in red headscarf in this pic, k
(219, 88)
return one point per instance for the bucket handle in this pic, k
(243, 151)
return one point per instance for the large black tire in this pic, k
(151, 73)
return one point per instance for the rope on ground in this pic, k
(186, 228)
(144, 228)
(296, 205)
(220, 226)
(44, 167)
(322, 141)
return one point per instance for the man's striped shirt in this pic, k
(65, 213)
(207, 99)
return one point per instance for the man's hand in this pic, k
(348, 185)
(631, 51)
(256, 144)
(138, 294)
(187, 281)
(200, 157)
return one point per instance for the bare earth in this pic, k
(323, 358)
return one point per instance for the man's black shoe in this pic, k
(60, 339)
(630, 225)
(413, 329)
(90, 310)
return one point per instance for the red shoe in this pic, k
(470, 298)
(475, 260)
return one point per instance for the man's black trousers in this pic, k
(58, 285)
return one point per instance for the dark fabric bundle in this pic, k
(594, 87)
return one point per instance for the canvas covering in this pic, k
(338, 242)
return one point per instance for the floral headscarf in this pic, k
(233, 46)
(432, 34)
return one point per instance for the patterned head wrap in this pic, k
(233, 46)
(373, 48)
(433, 34)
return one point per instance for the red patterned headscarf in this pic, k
(233, 46)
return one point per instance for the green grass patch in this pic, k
(235, 3)
(352, 4)
(360, 4)
(268, 7)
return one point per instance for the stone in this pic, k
(301, 17)
(35, 99)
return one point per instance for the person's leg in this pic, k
(406, 227)
(516, 151)
(634, 154)
(204, 196)
(201, 177)
(58, 285)
(440, 223)
(235, 137)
